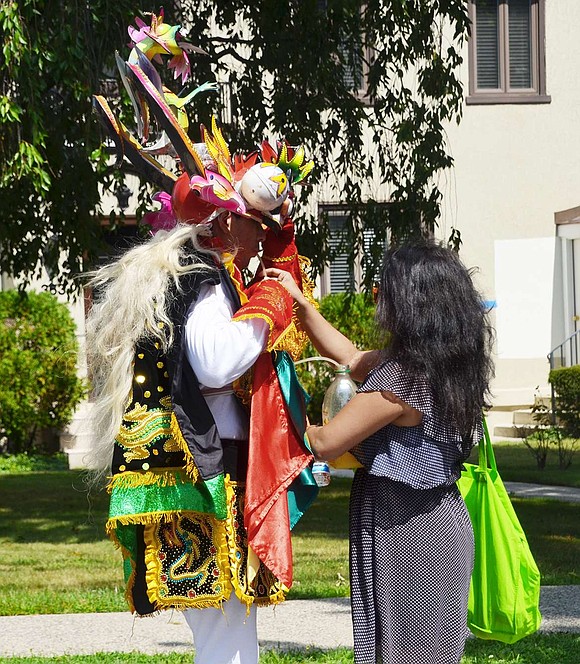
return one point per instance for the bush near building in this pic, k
(566, 383)
(40, 387)
(353, 315)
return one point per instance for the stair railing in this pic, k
(565, 354)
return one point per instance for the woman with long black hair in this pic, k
(412, 424)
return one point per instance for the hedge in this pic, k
(566, 384)
(40, 387)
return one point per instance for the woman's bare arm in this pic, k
(327, 340)
(363, 415)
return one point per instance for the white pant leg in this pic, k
(224, 637)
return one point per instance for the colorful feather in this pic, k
(167, 121)
(129, 147)
(218, 190)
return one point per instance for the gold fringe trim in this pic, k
(308, 285)
(291, 340)
(277, 598)
(223, 556)
(166, 603)
(230, 548)
(190, 465)
(146, 518)
(134, 479)
(284, 259)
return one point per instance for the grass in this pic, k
(516, 463)
(54, 557)
(537, 649)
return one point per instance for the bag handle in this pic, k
(486, 454)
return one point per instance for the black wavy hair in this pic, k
(438, 329)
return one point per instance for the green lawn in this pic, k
(537, 649)
(517, 464)
(54, 557)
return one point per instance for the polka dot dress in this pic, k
(411, 549)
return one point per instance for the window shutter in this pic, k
(352, 68)
(520, 43)
(487, 26)
(341, 273)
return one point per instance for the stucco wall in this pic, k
(515, 166)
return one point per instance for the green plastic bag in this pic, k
(504, 594)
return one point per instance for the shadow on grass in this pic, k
(50, 507)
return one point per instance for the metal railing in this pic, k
(566, 354)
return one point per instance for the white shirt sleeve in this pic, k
(218, 349)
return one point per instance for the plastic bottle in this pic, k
(341, 390)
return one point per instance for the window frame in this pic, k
(505, 95)
(340, 209)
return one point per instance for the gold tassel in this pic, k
(190, 466)
(138, 520)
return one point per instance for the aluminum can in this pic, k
(321, 473)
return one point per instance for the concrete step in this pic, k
(507, 433)
(77, 459)
(524, 417)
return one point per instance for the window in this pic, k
(357, 62)
(506, 52)
(339, 276)
(356, 57)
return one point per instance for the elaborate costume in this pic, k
(209, 468)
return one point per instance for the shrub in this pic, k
(40, 387)
(541, 437)
(353, 315)
(32, 463)
(566, 384)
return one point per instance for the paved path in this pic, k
(522, 489)
(295, 624)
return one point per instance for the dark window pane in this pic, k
(341, 273)
(520, 43)
(352, 68)
(487, 27)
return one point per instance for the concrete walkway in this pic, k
(523, 490)
(295, 624)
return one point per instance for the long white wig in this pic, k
(131, 301)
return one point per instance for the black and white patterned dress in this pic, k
(411, 542)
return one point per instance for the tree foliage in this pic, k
(291, 68)
(566, 384)
(54, 56)
(38, 363)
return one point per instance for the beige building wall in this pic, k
(516, 165)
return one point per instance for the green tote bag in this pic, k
(505, 585)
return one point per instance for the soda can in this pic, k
(321, 473)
